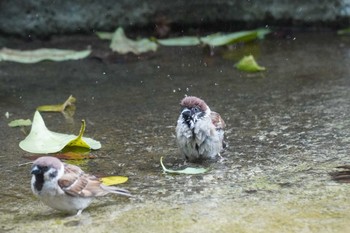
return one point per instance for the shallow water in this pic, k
(287, 128)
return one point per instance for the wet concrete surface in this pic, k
(287, 128)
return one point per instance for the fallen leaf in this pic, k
(123, 45)
(345, 31)
(41, 140)
(180, 41)
(74, 156)
(188, 170)
(20, 122)
(67, 105)
(33, 56)
(248, 63)
(67, 108)
(65, 156)
(113, 180)
(80, 141)
(105, 35)
(219, 39)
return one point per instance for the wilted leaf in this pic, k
(41, 140)
(121, 44)
(219, 39)
(33, 56)
(188, 170)
(248, 63)
(180, 41)
(113, 180)
(20, 122)
(67, 105)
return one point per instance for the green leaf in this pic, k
(188, 170)
(219, 39)
(113, 180)
(41, 140)
(123, 45)
(248, 63)
(105, 35)
(345, 31)
(33, 56)
(180, 41)
(20, 122)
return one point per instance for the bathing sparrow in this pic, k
(199, 131)
(66, 187)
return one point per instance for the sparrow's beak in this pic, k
(36, 170)
(187, 115)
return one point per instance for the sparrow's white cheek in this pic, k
(50, 174)
(54, 174)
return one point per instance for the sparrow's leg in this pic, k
(222, 159)
(79, 212)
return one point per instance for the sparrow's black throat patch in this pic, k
(39, 182)
(189, 115)
(39, 172)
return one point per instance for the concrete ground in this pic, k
(287, 128)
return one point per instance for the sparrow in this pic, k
(199, 131)
(66, 187)
(343, 175)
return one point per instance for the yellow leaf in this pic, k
(74, 156)
(68, 104)
(79, 142)
(113, 180)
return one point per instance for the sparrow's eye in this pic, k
(44, 169)
(196, 109)
(53, 174)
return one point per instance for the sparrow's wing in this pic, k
(217, 120)
(75, 182)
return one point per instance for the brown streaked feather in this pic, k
(217, 120)
(72, 169)
(191, 101)
(342, 176)
(76, 183)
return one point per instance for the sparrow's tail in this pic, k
(113, 189)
